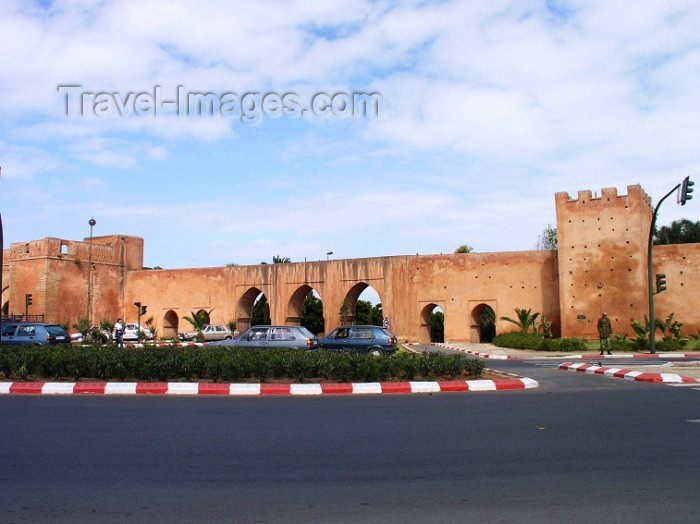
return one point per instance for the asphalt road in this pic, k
(580, 448)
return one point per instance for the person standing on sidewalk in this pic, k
(604, 332)
(119, 332)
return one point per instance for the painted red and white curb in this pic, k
(256, 389)
(638, 376)
(496, 356)
(596, 356)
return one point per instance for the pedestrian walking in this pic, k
(604, 332)
(119, 332)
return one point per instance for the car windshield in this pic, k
(387, 333)
(55, 330)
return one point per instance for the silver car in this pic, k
(272, 337)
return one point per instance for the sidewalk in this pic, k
(636, 364)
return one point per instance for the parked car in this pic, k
(78, 337)
(131, 332)
(372, 339)
(33, 333)
(272, 337)
(209, 332)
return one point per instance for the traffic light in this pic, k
(27, 300)
(142, 310)
(660, 282)
(686, 190)
(138, 305)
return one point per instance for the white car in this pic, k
(131, 332)
(210, 332)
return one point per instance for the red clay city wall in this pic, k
(600, 265)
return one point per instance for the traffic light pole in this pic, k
(650, 273)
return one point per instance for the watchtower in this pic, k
(602, 251)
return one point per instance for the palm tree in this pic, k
(526, 320)
(198, 320)
(276, 259)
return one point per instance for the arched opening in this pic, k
(432, 326)
(305, 308)
(483, 324)
(362, 305)
(5, 303)
(253, 310)
(170, 325)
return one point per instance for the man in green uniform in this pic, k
(605, 332)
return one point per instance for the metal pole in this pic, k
(92, 223)
(650, 275)
(2, 248)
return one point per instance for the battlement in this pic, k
(607, 195)
(112, 249)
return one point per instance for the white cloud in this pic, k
(490, 108)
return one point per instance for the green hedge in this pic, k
(518, 340)
(227, 365)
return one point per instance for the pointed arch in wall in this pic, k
(429, 333)
(295, 305)
(349, 305)
(483, 323)
(5, 301)
(244, 308)
(313, 320)
(171, 323)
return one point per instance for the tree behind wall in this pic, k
(437, 326)
(368, 314)
(312, 314)
(548, 239)
(682, 231)
(260, 315)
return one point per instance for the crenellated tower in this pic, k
(602, 251)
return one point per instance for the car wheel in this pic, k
(377, 352)
(227, 338)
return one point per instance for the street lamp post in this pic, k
(92, 223)
(328, 255)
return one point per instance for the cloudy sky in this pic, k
(488, 109)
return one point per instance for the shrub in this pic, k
(621, 344)
(225, 364)
(672, 344)
(564, 344)
(518, 340)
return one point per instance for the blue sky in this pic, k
(489, 108)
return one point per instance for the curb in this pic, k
(233, 389)
(479, 354)
(595, 356)
(638, 376)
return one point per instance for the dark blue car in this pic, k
(371, 339)
(33, 334)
